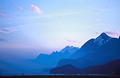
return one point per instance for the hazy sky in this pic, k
(48, 25)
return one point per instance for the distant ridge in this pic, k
(49, 61)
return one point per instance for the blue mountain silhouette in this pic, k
(94, 52)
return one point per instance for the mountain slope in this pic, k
(92, 44)
(110, 68)
(95, 52)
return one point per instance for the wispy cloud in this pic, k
(10, 29)
(1, 39)
(115, 34)
(59, 14)
(20, 8)
(34, 8)
(51, 15)
(3, 15)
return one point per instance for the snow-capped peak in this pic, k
(102, 39)
(70, 49)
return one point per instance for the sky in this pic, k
(44, 26)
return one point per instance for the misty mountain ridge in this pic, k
(53, 58)
(94, 52)
(50, 60)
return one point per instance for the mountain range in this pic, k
(97, 51)
(93, 55)
(41, 64)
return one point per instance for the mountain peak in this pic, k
(102, 39)
(104, 35)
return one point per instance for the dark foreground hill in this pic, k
(110, 68)
(59, 76)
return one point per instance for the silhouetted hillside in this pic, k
(110, 68)
(66, 69)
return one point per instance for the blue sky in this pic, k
(44, 26)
